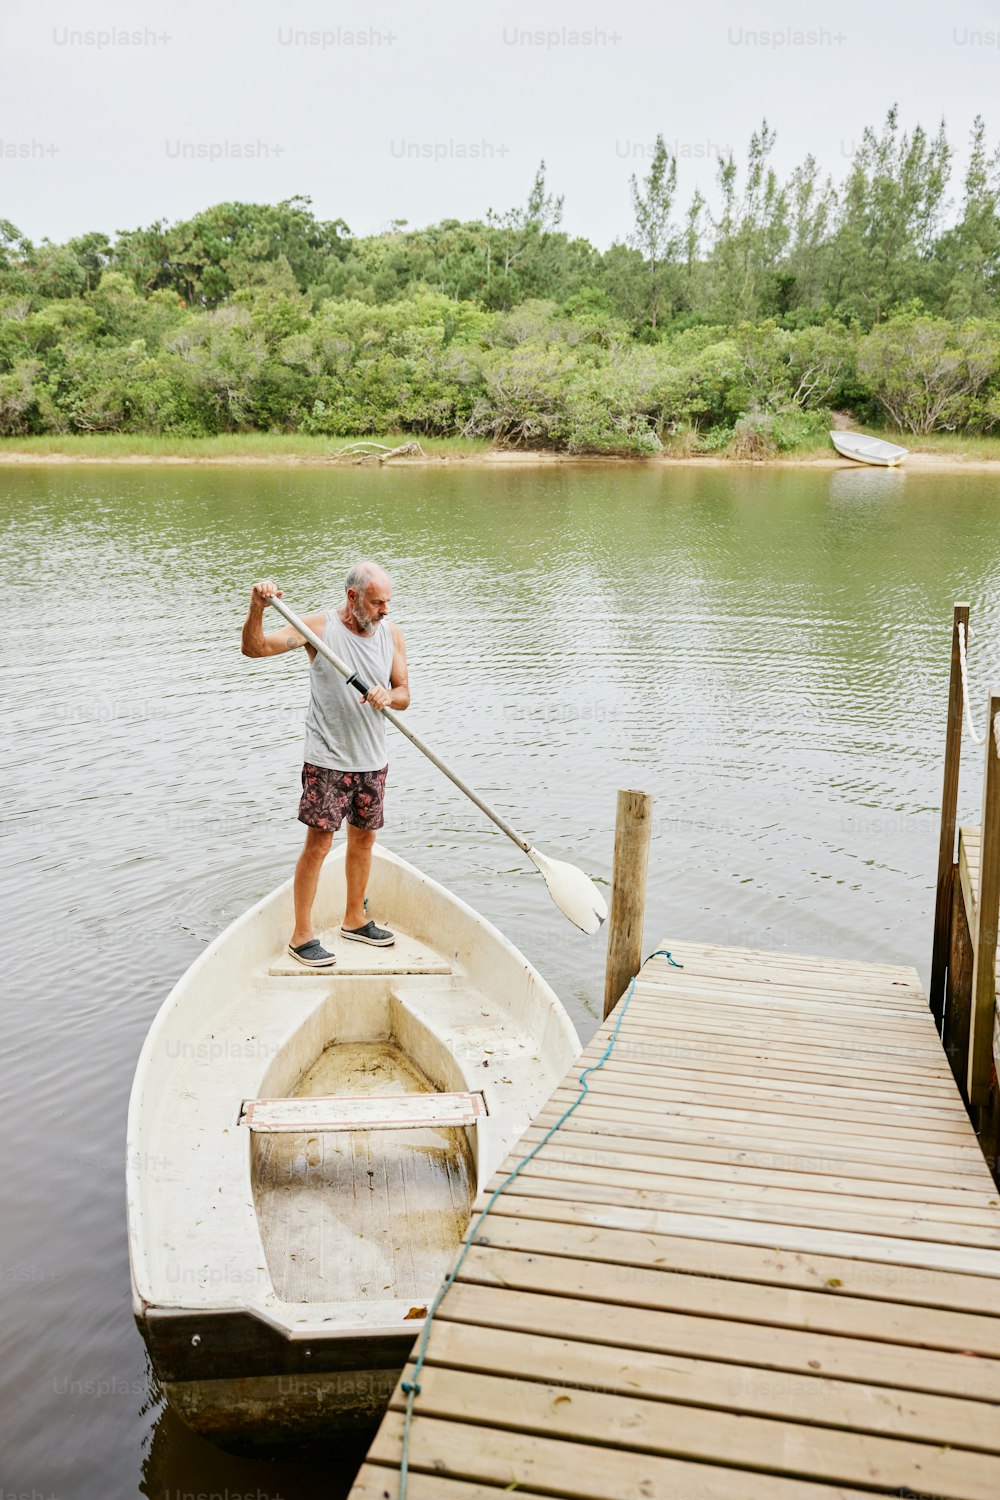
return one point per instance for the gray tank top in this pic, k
(343, 734)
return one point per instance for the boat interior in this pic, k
(362, 1215)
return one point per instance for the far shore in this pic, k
(932, 462)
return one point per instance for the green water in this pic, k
(764, 651)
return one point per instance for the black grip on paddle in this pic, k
(362, 687)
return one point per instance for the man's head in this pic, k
(369, 589)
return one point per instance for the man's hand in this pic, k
(378, 698)
(264, 592)
(287, 638)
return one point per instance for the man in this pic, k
(345, 757)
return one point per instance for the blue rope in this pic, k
(412, 1387)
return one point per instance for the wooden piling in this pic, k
(984, 988)
(949, 815)
(633, 827)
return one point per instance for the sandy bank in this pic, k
(939, 463)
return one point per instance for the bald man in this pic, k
(345, 756)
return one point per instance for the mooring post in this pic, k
(984, 966)
(949, 817)
(633, 827)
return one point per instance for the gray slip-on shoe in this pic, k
(312, 954)
(378, 937)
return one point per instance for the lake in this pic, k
(766, 651)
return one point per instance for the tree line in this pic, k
(736, 324)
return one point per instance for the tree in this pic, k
(205, 259)
(654, 235)
(970, 252)
(751, 234)
(15, 253)
(517, 242)
(692, 240)
(890, 208)
(812, 205)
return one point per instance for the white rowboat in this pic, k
(867, 450)
(304, 1147)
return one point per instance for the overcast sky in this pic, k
(445, 110)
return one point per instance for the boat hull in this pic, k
(268, 1415)
(247, 1389)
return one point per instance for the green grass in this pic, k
(276, 446)
(815, 447)
(236, 445)
(949, 444)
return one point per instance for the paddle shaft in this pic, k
(397, 723)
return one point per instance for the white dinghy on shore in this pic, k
(304, 1147)
(868, 450)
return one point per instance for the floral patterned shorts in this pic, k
(330, 796)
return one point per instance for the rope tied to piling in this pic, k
(977, 739)
(411, 1388)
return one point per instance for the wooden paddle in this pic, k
(576, 896)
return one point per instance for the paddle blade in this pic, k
(573, 892)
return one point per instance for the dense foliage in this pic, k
(736, 326)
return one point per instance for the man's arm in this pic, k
(398, 695)
(276, 642)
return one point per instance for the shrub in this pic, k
(927, 373)
(522, 401)
(753, 438)
(18, 399)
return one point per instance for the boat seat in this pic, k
(316, 1112)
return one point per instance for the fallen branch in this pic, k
(366, 451)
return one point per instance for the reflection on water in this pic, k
(765, 651)
(176, 1463)
(865, 485)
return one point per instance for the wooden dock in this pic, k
(761, 1261)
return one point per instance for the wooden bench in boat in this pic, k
(314, 1112)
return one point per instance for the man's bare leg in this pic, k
(358, 866)
(310, 863)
